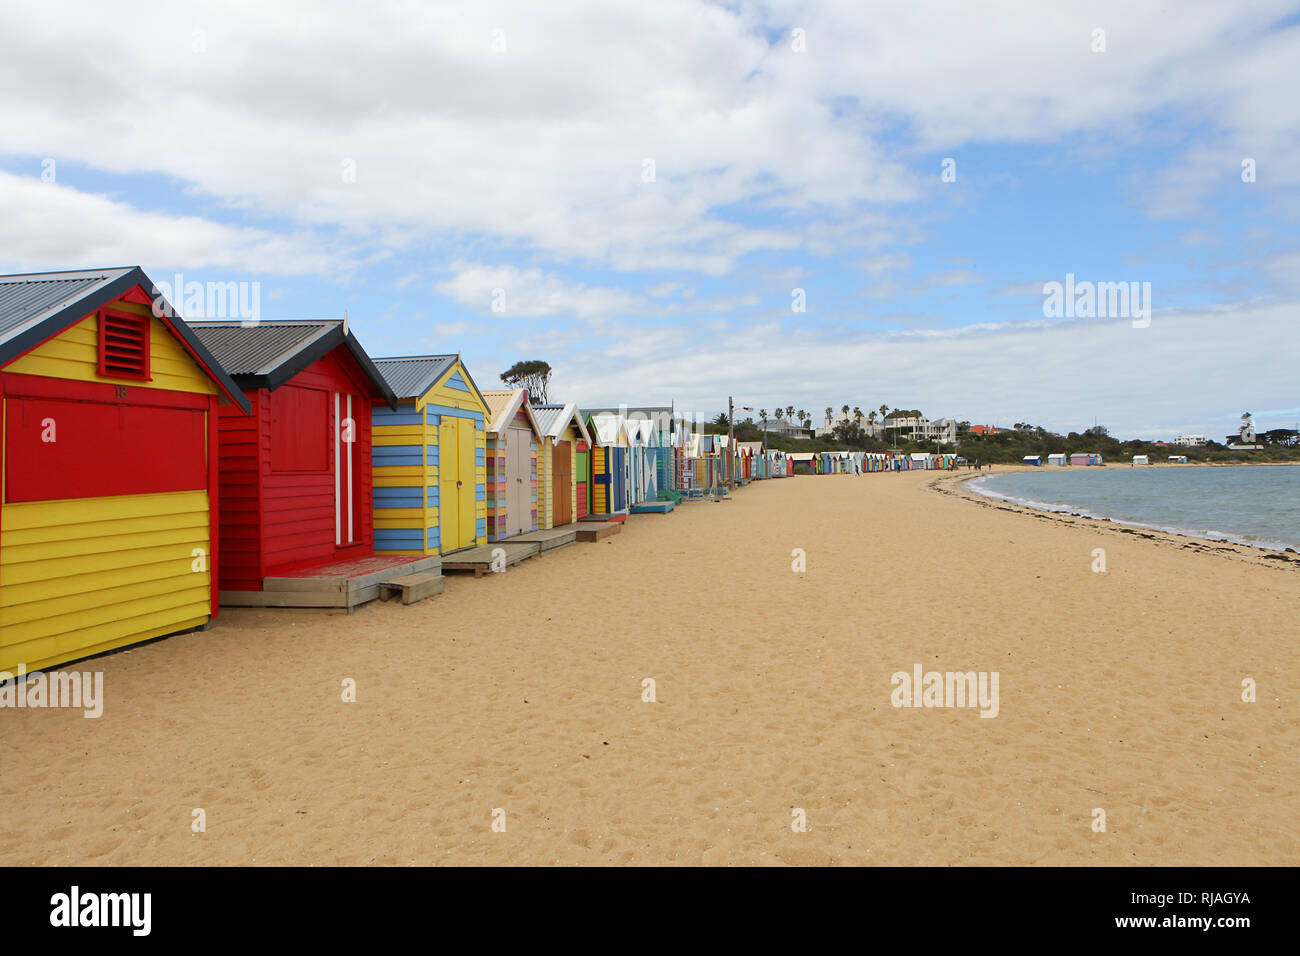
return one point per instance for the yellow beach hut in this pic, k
(564, 469)
(108, 466)
(430, 464)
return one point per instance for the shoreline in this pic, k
(1254, 554)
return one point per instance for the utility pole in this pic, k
(731, 435)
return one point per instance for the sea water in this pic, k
(1248, 504)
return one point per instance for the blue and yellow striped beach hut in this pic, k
(430, 463)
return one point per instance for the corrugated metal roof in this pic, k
(547, 416)
(503, 403)
(261, 348)
(553, 419)
(28, 300)
(412, 376)
(500, 402)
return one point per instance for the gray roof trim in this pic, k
(271, 368)
(29, 315)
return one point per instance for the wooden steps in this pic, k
(480, 560)
(413, 587)
(343, 584)
(549, 538)
(597, 530)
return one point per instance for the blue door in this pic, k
(618, 480)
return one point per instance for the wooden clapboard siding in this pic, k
(73, 354)
(545, 517)
(600, 480)
(79, 576)
(239, 497)
(581, 479)
(407, 470)
(273, 519)
(82, 576)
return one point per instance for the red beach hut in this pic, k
(296, 476)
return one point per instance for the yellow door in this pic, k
(448, 482)
(467, 523)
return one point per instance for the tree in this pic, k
(789, 413)
(534, 375)
(721, 421)
(830, 413)
(850, 433)
(857, 416)
(1097, 431)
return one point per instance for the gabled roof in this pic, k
(606, 426)
(411, 376)
(661, 417)
(38, 306)
(505, 403)
(268, 352)
(554, 419)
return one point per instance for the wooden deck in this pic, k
(331, 584)
(550, 538)
(479, 560)
(594, 531)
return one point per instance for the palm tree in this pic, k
(845, 412)
(857, 416)
(830, 413)
(789, 413)
(884, 413)
(803, 419)
(871, 419)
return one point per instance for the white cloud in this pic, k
(543, 145)
(532, 293)
(1057, 373)
(47, 225)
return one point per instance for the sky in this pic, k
(791, 203)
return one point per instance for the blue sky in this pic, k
(215, 144)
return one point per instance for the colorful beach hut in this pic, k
(431, 458)
(513, 446)
(609, 464)
(565, 465)
(1033, 459)
(108, 466)
(642, 462)
(295, 486)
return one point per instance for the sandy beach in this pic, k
(523, 692)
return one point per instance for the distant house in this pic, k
(783, 429)
(984, 430)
